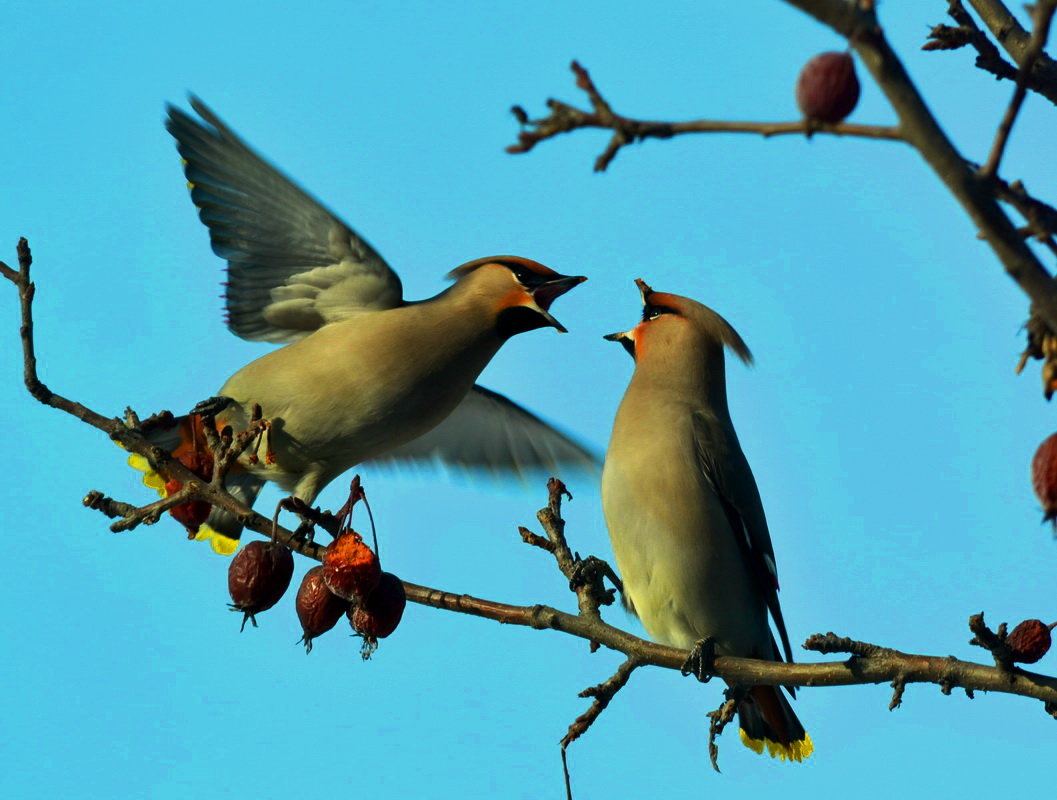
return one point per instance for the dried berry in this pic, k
(378, 614)
(1044, 478)
(258, 577)
(827, 89)
(1030, 640)
(350, 567)
(318, 608)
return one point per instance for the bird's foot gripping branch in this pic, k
(586, 577)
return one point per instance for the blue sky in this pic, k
(886, 429)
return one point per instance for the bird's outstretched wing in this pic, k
(725, 467)
(293, 266)
(489, 433)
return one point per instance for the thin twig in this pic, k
(1041, 217)
(719, 719)
(988, 57)
(899, 685)
(1014, 39)
(586, 575)
(992, 641)
(564, 118)
(602, 694)
(1043, 14)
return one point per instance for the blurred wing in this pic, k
(726, 469)
(292, 265)
(487, 432)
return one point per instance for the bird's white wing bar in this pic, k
(487, 432)
(293, 266)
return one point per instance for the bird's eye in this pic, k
(652, 312)
(526, 277)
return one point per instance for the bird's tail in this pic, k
(183, 437)
(768, 720)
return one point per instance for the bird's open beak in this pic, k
(547, 293)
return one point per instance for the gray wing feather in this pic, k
(487, 432)
(726, 469)
(293, 266)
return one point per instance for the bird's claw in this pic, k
(305, 532)
(212, 406)
(701, 660)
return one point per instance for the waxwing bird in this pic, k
(365, 376)
(683, 511)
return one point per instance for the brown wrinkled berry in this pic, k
(827, 89)
(1030, 640)
(318, 608)
(1044, 478)
(378, 614)
(350, 567)
(258, 577)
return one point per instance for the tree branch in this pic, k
(1040, 34)
(129, 438)
(989, 57)
(564, 118)
(868, 663)
(919, 127)
(1016, 41)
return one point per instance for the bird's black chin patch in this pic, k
(519, 319)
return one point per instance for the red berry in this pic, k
(1044, 478)
(350, 567)
(1030, 640)
(378, 614)
(318, 608)
(827, 89)
(258, 577)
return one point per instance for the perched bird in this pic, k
(683, 511)
(367, 376)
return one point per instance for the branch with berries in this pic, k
(827, 91)
(349, 581)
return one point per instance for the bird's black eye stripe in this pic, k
(527, 277)
(524, 276)
(652, 312)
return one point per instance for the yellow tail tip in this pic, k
(151, 479)
(794, 751)
(221, 544)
